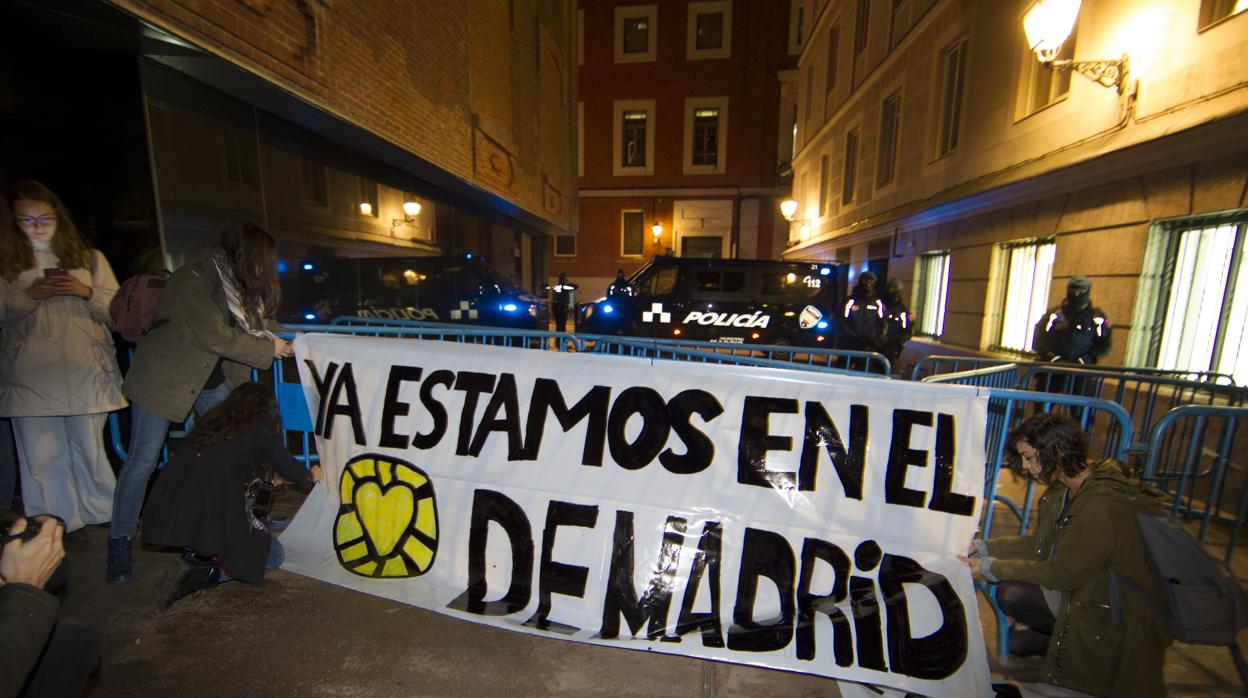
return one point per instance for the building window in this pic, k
(368, 198)
(810, 97)
(1212, 11)
(634, 138)
(315, 188)
(931, 287)
(1192, 304)
(632, 233)
(1024, 291)
(710, 30)
(824, 184)
(952, 78)
(797, 25)
(862, 24)
(1042, 84)
(565, 245)
(834, 41)
(849, 177)
(890, 125)
(706, 129)
(242, 159)
(636, 33)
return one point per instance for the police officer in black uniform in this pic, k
(1075, 331)
(619, 290)
(561, 299)
(898, 327)
(862, 321)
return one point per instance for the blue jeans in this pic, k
(147, 437)
(8, 466)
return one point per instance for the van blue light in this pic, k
(281, 266)
(307, 266)
(824, 271)
(309, 316)
(607, 308)
(509, 307)
(823, 325)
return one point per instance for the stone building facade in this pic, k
(934, 147)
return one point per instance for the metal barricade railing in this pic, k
(803, 358)
(1198, 456)
(939, 364)
(1146, 397)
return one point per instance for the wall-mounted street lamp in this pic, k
(657, 231)
(411, 209)
(366, 209)
(1048, 24)
(788, 207)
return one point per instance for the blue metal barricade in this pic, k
(802, 358)
(938, 364)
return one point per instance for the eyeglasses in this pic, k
(36, 221)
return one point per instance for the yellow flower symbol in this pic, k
(388, 523)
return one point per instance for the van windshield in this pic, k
(792, 284)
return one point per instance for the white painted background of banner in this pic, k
(933, 539)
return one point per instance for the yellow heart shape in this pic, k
(384, 515)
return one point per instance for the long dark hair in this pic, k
(1060, 443)
(16, 254)
(253, 255)
(248, 405)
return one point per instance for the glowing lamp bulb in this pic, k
(411, 208)
(788, 207)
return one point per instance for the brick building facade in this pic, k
(680, 124)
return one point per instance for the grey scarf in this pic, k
(234, 297)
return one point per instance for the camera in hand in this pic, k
(33, 525)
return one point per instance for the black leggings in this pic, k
(1024, 602)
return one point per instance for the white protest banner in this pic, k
(778, 518)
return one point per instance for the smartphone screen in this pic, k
(55, 272)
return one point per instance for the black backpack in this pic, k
(1204, 603)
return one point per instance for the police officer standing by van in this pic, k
(897, 325)
(862, 321)
(562, 297)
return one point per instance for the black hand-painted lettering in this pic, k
(866, 605)
(649, 405)
(502, 400)
(849, 463)
(756, 440)
(344, 387)
(943, 499)
(487, 506)
(901, 457)
(763, 554)
(593, 406)
(621, 597)
(471, 384)
(558, 577)
(393, 407)
(809, 604)
(940, 654)
(710, 546)
(322, 390)
(437, 412)
(699, 451)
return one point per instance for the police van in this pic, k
(460, 289)
(737, 301)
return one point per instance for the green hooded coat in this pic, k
(1073, 549)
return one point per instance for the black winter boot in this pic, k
(120, 563)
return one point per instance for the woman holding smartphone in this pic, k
(211, 327)
(58, 370)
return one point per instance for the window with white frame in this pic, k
(952, 78)
(636, 33)
(1042, 84)
(706, 131)
(633, 147)
(890, 128)
(1026, 271)
(931, 287)
(1213, 11)
(632, 233)
(1192, 304)
(849, 175)
(709, 33)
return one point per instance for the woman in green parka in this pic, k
(1056, 579)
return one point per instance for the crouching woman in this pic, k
(1057, 579)
(198, 502)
